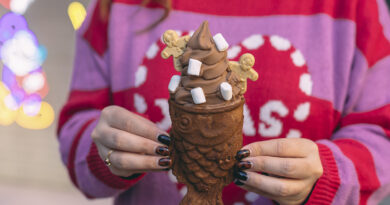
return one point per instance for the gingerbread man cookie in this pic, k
(244, 69)
(175, 47)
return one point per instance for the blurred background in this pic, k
(31, 171)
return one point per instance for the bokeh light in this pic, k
(34, 82)
(20, 6)
(7, 116)
(10, 102)
(77, 14)
(21, 54)
(5, 3)
(23, 84)
(16, 6)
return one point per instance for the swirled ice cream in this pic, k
(213, 72)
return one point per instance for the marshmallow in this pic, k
(174, 83)
(226, 91)
(220, 41)
(198, 95)
(194, 67)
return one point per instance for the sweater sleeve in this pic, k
(356, 159)
(89, 94)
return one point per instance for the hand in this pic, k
(290, 169)
(134, 142)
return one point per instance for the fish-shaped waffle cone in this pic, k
(206, 109)
(203, 149)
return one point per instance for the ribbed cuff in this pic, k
(328, 184)
(101, 171)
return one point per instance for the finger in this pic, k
(279, 187)
(124, 141)
(121, 172)
(254, 190)
(136, 162)
(126, 173)
(125, 120)
(297, 199)
(296, 168)
(114, 168)
(280, 148)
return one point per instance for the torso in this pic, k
(303, 74)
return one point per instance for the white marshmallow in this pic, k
(198, 95)
(220, 41)
(174, 83)
(226, 91)
(194, 67)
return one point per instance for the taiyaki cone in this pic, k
(212, 197)
(204, 143)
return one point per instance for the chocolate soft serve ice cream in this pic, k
(206, 109)
(213, 72)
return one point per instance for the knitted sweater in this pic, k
(323, 68)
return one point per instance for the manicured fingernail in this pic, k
(163, 151)
(131, 177)
(242, 154)
(241, 175)
(238, 182)
(164, 139)
(244, 165)
(165, 162)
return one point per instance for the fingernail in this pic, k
(241, 175)
(163, 151)
(244, 165)
(164, 139)
(242, 154)
(131, 177)
(238, 182)
(164, 162)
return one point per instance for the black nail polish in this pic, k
(241, 175)
(131, 177)
(242, 154)
(164, 139)
(238, 182)
(165, 162)
(163, 151)
(244, 165)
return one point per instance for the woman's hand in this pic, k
(134, 142)
(289, 167)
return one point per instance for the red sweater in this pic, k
(323, 67)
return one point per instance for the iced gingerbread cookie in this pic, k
(244, 70)
(175, 47)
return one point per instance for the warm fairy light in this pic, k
(31, 115)
(77, 14)
(16, 6)
(5, 3)
(10, 102)
(31, 108)
(34, 82)
(42, 120)
(23, 82)
(7, 116)
(21, 54)
(20, 6)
